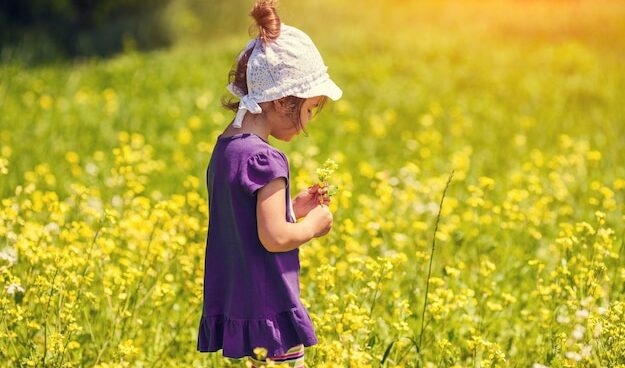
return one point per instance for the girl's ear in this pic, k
(280, 105)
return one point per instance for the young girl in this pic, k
(251, 284)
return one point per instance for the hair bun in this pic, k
(267, 19)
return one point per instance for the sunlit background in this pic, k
(109, 112)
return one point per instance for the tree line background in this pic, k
(36, 31)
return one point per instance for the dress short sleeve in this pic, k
(261, 168)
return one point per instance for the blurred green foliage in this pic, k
(208, 20)
(40, 30)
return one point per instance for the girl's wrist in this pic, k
(307, 228)
(295, 211)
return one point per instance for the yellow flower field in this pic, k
(103, 209)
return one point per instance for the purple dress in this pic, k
(251, 295)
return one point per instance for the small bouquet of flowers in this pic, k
(324, 174)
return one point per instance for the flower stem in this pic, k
(427, 282)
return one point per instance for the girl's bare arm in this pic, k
(275, 233)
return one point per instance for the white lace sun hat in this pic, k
(290, 65)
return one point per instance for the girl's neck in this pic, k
(248, 126)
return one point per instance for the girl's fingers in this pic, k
(318, 191)
(313, 188)
(323, 198)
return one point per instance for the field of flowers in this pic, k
(103, 210)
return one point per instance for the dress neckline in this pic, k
(230, 137)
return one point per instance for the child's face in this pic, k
(284, 127)
(309, 109)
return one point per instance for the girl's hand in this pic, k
(320, 219)
(308, 199)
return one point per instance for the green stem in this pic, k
(6, 327)
(427, 283)
(45, 321)
(78, 295)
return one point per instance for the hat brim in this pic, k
(327, 88)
